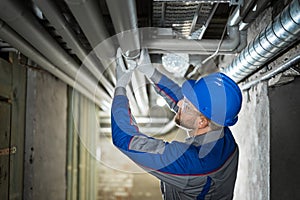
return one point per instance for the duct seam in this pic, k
(277, 36)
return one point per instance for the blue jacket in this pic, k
(202, 167)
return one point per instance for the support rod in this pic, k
(291, 62)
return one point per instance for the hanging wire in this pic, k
(214, 54)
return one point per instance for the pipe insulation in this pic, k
(18, 17)
(277, 36)
(89, 16)
(204, 46)
(28, 50)
(56, 18)
(126, 26)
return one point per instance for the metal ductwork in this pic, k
(277, 36)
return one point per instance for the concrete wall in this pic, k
(252, 135)
(252, 132)
(267, 132)
(45, 139)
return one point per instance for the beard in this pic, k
(180, 123)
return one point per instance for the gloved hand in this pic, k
(144, 64)
(123, 75)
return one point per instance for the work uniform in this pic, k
(202, 167)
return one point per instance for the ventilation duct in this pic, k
(277, 36)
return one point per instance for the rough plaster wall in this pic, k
(252, 131)
(252, 136)
(45, 140)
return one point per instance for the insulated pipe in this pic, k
(17, 16)
(18, 42)
(293, 61)
(205, 46)
(124, 17)
(277, 36)
(126, 27)
(90, 19)
(53, 14)
(88, 15)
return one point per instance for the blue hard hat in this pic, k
(216, 96)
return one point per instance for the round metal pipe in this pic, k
(88, 15)
(124, 17)
(272, 73)
(90, 19)
(277, 36)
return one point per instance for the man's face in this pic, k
(187, 115)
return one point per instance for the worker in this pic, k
(204, 166)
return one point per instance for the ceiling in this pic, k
(69, 36)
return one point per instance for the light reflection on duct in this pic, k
(277, 36)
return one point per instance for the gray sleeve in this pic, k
(120, 91)
(142, 143)
(156, 76)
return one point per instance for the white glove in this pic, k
(123, 75)
(144, 64)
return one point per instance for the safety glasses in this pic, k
(188, 108)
